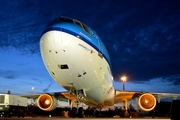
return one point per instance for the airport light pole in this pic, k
(32, 90)
(123, 81)
(32, 94)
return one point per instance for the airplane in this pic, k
(77, 60)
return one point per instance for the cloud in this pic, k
(22, 27)
(142, 47)
(175, 80)
(153, 85)
(46, 90)
(8, 74)
(142, 37)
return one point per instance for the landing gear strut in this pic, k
(126, 113)
(76, 110)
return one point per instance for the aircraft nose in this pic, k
(55, 40)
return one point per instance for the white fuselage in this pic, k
(76, 65)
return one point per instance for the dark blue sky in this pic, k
(142, 37)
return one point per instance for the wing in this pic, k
(49, 101)
(146, 100)
(173, 96)
(121, 95)
(61, 96)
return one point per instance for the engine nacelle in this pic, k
(46, 102)
(147, 102)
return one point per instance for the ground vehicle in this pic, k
(12, 104)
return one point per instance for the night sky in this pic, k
(142, 37)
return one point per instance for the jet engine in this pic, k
(147, 102)
(46, 102)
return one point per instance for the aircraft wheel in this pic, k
(74, 112)
(80, 112)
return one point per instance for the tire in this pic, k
(80, 112)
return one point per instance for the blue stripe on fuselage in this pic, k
(76, 35)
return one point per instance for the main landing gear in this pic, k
(126, 113)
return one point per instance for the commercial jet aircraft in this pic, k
(76, 58)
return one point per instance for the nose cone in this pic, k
(55, 40)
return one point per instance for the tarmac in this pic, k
(60, 118)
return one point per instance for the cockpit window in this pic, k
(64, 19)
(85, 28)
(82, 25)
(60, 19)
(69, 20)
(78, 23)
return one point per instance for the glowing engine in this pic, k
(147, 102)
(46, 102)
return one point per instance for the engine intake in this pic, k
(147, 102)
(46, 102)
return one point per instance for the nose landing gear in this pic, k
(77, 111)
